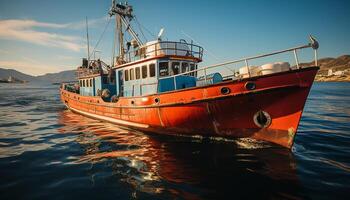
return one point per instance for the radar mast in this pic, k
(124, 16)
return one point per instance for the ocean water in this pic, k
(48, 152)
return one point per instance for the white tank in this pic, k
(271, 68)
(254, 71)
(284, 66)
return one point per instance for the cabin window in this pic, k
(84, 83)
(184, 67)
(144, 71)
(126, 74)
(80, 83)
(131, 72)
(137, 73)
(163, 69)
(152, 70)
(90, 82)
(192, 67)
(175, 68)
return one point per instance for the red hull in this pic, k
(206, 111)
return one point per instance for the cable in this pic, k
(139, 26)
(99, 40)
(209, 53)
(149, 32)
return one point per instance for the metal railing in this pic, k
(165, 48)
(94, 70)
(313, 44)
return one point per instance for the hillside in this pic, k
(341, 63)
(64, 76)
(5, 73)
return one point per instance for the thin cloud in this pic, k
(93, 23)
(23, 30)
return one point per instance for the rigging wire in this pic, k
(99, 40)
(113, 46)
(149, 32)
(140, 28)
(209, 52)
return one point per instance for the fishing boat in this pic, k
(158, 87)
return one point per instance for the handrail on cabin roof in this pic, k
(313, 44)
(194, 51)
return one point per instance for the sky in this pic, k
(45, 36)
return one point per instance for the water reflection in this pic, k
(190, 168)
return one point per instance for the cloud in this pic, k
(23, 30)
(92, 23)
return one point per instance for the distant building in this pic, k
(337, 73)
(330, 72)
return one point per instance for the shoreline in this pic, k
(333, 79)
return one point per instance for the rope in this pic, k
(149, 32)
(209, 52)
(139, 26)
(99, 40)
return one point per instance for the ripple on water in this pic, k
(47, 152)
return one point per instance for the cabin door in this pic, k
(120, 83)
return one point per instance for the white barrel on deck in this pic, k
(271, 68)
(254, 71)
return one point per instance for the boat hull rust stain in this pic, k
(205, 111)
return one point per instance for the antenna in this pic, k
(160, 34)
(87, 38)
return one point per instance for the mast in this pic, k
(87, 38)
(120, 37)
(123, 15)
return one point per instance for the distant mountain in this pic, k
(5, 73)
(342, 63)
(64, 76)
(336, 64)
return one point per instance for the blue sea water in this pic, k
(48, 152)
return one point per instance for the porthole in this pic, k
(225, 90)
(250, 85)
(157, 100)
